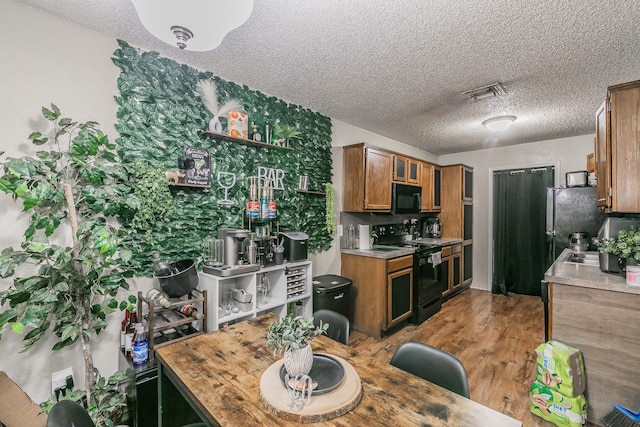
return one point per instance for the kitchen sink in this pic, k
(584, 258)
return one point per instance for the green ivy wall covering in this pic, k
(160, 113)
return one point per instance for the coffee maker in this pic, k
(234, 245)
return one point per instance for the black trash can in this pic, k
(331, 292)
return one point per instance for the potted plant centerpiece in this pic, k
(626, 247)
(283, 134)
(293, 335)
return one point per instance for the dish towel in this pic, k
(435, 258)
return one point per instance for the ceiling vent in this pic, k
(485, 92)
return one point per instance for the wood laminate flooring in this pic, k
(493, 335)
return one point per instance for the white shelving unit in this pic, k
(289, 283)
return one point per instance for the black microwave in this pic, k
(406, 199)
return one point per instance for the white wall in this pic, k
(569, 153)
(49, 60)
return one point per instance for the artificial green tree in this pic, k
(73, 191)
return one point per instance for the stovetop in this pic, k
(395, 235)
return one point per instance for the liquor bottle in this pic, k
(140, 352)
(255, 135)
(273, 211)
(161, 268)
(159, 297)
(189, 310)
(131, 330)
(264, 201)
(253, 205)
(267, 133)
(123, 328)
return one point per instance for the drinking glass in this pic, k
(228, 298)
(298, 387)
(263, 288)
(214, 252)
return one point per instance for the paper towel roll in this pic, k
(364, 236)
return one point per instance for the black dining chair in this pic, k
(67, 413)
(434, 365)
(338, 324)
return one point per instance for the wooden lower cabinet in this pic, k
(451, 270)
(381, 292)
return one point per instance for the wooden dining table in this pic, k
(214, 378)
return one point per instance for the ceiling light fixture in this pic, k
(197, 25)
(499, 124)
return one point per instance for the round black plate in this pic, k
(326, 371)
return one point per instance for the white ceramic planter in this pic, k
(298, 362)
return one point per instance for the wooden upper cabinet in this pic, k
(406, 170)
(457, 201)
(413, 171)
(430, 182)
(602, 154)
(400, 168)
(377, 183)
(618, 149)
(367, 179)
(591, 162)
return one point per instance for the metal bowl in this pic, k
(183, 281)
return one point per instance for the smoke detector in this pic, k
(485, 92)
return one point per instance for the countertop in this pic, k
(395, 252)
(586, 276)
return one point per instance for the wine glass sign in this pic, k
(226, 180)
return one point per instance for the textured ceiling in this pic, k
(398, 68)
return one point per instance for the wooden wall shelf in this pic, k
(243, 141)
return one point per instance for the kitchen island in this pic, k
(219, 374)
(599, 314)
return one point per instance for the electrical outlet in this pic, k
(59, 379)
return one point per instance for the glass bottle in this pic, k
(267, 132)
(189, 310)
(140, 352)
(253, 205)
(273, 210)
(128, 339)
(159, 297)
(264, 201)
(161, 268)
(123, 328)
(255, 135)
(298, 309)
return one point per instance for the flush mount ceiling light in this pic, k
(485, 92)
(499, 124)
(197, 25)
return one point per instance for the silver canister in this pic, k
(252, 252)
